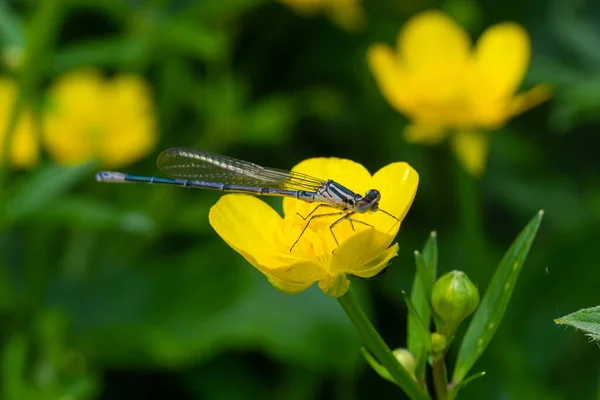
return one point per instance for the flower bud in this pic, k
(406, 359)
(454, 298)
(439, 343)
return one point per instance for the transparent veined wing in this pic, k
(187, 163)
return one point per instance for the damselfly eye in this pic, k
(373, 195)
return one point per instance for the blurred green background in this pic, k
(120, 292)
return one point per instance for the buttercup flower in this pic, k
(264, 238)
(90, 117)
(444, 85)
(346, 13)
(24, 149)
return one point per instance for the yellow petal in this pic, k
(289, 287)
(471, 148)
(248, 225)
(94, 118)
(78, 92)
(375, 266)
(431, 40)
(435, 50)
(529, 99)
(501, 59)
(130, 131)
(397, 183)
(299, 272)
(390, 77)
(252, 228)
(25, 151)
(359, 250)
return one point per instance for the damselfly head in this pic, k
(369, 202)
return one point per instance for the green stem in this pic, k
(377, 346)
(440, 379)
(471, 223)
(9, 130)
(43, 30)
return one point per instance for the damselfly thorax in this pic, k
(203, 170)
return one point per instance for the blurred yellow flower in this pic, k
(91, 117)
(444, 85)
(264, 238)
(24, 151)
(346, 13)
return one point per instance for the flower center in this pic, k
(320, 234)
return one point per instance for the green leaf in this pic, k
(193, 39)
(43, 29)
(11, 29)
(420, 298)
(43, 187)
(587, 320)
(80, 212)
(380, 369)
(487, 318)
(454, 392)
(14, 356)
(420, 328)
(427, 266)
(108, 52)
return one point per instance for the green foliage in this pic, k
(422, 332)
(488, 316)
(44, 187)
(419, 344)
(11, 32)
(587, 320)
(453, 297)
(377, 346)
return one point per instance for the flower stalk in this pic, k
(440, 379)
(379, 348)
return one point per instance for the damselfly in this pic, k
(203, 170)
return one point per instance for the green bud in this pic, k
(439, 343)
(406, 359)
(454, 298)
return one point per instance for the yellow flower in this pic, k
(24, 151)
(264, 238)
(346, 13)
(91, 117)
(444, 85)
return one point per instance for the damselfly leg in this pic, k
(346, 216)
(360, 222)
(310, 220)
(351, 220)
(311, 217)
(313, 211)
